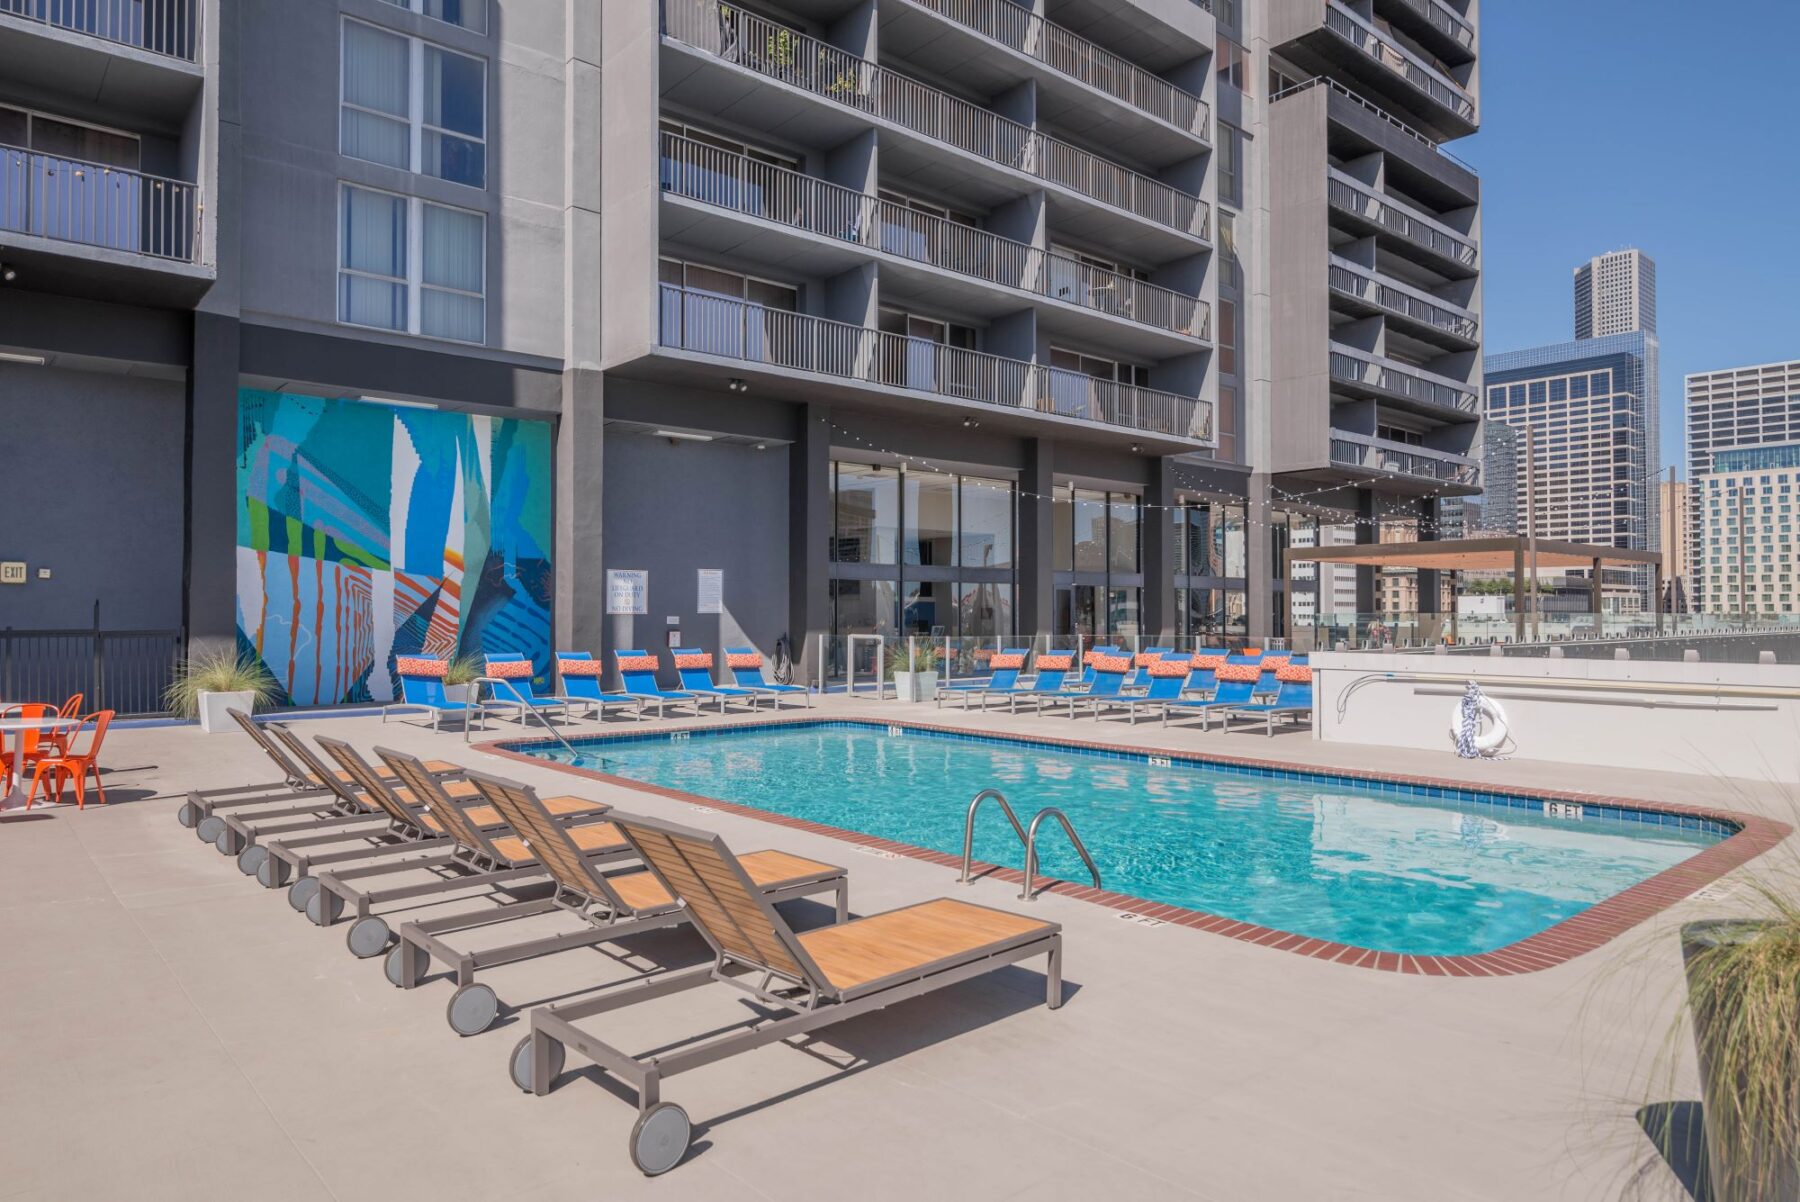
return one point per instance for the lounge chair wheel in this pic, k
(188, 815)
(659, 1139)
(300, 893)
(272, 873)
(472, 1009)
(520, 1063)
(251, 859)
(210, 828)
(368, 937)
(390, 967)
(324, 908)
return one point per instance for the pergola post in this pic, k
(1595, 606)
(1657, 596)
(1519, 591)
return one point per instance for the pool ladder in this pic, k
(1028, 837)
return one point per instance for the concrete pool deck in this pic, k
(173, 1031)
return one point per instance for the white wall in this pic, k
(1751, 737)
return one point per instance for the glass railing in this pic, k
(1402, 62)
(745, 185)
(864, 664)
(1353, 279)
(1354, 196)
(1382, 375)
(1020, 29)
(70, 200)
(166, 27)
(777, 52)
(735, 329)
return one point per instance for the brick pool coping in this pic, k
(1574, 936)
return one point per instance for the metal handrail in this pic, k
(1351, 195)
(97, 204)
(1384, 292)
(1028, 838)
(523, 705)
(1402, 62)
(1403, 380)
(1447, 22)
(1372, 107)
(1031, 849)
(165, 27)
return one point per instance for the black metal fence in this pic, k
(123, 670)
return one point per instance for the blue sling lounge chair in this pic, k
(580, 674)
(1295, 700)
(1236, 684)
(1004, 668)
(637, 672)
(746, 665)
(422, 688)
(694, 667)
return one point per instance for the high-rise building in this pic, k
(1674, 512)
(1592, 460)
(388, 327)
(1499, 476)
(1749, 556)
(1615, 293)
(1733, 407)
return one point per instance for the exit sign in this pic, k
(12, 572)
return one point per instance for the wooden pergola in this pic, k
(1505, 553)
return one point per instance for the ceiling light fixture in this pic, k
(682, 436)
(8, 273)
(738, 384)
(34, 360)
(398, 403)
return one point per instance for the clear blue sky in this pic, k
(1608, 124)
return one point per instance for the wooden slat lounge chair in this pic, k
(817, 978)
(608, 905)
(462, 858)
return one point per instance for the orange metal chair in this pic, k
(59, 739)
(76, 765)
(29, 742)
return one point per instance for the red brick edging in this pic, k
(1572, 937)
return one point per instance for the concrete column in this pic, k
(809, 535)
(1367, 531)
(1430, 586)
(630, 191)
(209, 553)
(580, 609)
(1159, 550)
(1259, 561)
(1037, 539)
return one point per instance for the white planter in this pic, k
(213, 718)
(457, 692)
(915, 686)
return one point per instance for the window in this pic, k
(1228, 337)
(409, 265)
(469, 14)
(412, 105)
(1231, 165)
(1233, 63)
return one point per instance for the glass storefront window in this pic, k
(985, 509)
(1123, 607)
(984, 610)
(867, 506)
(1122, 534)
(1228, 540)
(1090, 531)
(927, 608)
(930, 518)
(1062, 520)
(863, 607)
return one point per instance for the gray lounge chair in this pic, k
(817, 978)
(609, 906)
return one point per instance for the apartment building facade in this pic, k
(409, 325)
(1615, 293)
(1728, 409)
(1749, 556)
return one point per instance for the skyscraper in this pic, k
(1674, 500)
(1615, 293)
(1735, 407)
(1500, 476)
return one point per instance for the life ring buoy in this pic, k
(1485, 741)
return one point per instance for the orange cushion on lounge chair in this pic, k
(1294, 674)
(511, 669)
(1006, 661)
(578, 667)
(637, 663)
(413, 665)
(1164, 669)
(1237, 672)
(1112, 663)
(1144, 659)
(1055, 663)
(1272, 663)
(1208, 663)
(744, 659)
(698, 659)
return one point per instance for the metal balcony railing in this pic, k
(1404, 63)
(1078, 58)
(1401, 459)
(1385, 376)
(779, 53)
(758, 189)
(74, 201)
(1447, 22)
(1353, 279)
(168, 27)
(1353, 196)
(1375, 110)
(735, 329)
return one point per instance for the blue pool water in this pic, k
(1319, 856)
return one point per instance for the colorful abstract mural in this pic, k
(367, 531)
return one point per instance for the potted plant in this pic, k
(459, 676)
(209, 685)
(1743, 1003)
(913, 667)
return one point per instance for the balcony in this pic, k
(1392, 381)
(107, 208)
(164, 27)
(721, 327)
(740, 184)
(1440, 319)
(1023, 32)
(1444, 21)
(1399, 63)
(858, 86)
(1381, 457)
(1352, 196)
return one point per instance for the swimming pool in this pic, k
(1391, 867)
